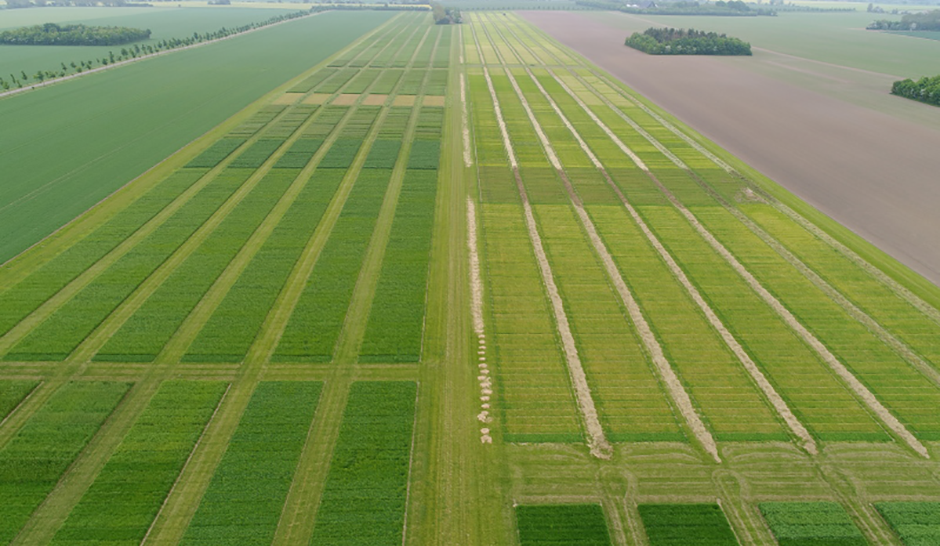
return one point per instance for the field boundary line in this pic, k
(673, 384)
(776, 401)
(46, 83)
(597, 442)
(860, 390)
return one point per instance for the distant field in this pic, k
(165, 23)
(107, 128)
(929, 35)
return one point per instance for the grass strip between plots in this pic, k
(364, 496)
(811, 524)
(128, 492)
(682, 524)
(244, 500)
(558, 524)
(917, 523)
(35, 458)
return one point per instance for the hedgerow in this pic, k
(681, 524)
(244, 500)
(811, 524)
(61, 333)
(145, 466)
(554, 524)
(363, 501)
(32, 461)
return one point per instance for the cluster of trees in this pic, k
(129, 53)
(445, 16)
(730, 8)
(53, 34)
(925, 89)
(678, 41)
(913, 21)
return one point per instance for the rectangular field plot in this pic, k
(244, 500)
(61, 333)
(12, 393)
(683, 524)
(364, 496)
(557, 524)
(533, 393)
(631, 405)
(21, 298)
(917, 523)
(817, 398)
(144, 467)
(216, 153)
(32, 462)
(811, 524)
(715, 379)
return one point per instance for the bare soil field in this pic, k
(874, 173)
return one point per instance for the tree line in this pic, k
(677, 41)
(912, 21)
(139, 50)
(73, 35)
(923, 90)
(731, 8)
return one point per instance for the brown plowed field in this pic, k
(874, 173)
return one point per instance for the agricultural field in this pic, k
(454, 284)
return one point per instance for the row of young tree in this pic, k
(139, 50)
(924, 90)
(913, 21)
(678, 41)
(53, 34)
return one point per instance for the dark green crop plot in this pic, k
(12, 393)
(130, 489)
(425, 155)
(917, 523)
(411, 84)
(562, 524)
(257, 121)
(299, 154)
(314, 80)
(437, 83)
(396, 320)
(290, 121)
(395, 123)
(315, 325)
(145, 333)
(257, 153)
(23, 298)
(361, 82)
(62, 332)
(811, 524)
(35, 458)
(430, 123)
(216, 153)
(386, 81)
(110, 127)
(383, 155)
(341, 154)
(363, 499)
(243, 503)
(335, 82)
(326, 122)
(235, 324)
(683, 524)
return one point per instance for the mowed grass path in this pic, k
(105, 129)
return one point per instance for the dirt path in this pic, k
(465, 120)
(597, 441)
(874, 173)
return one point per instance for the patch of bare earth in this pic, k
(346, 99)
(404, 100)
(375, 100)
(465, 123)
(288, 98)
(874, 173)
(433, 100)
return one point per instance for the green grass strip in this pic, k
(811, 524)
(61, 333)
(917, 523)
(235, 324)
(396, 319)
(557, 524)
(145, 333)
(128, 492)
(683, 524)
(35, 458)
(314, 326)
(12, 393)
(364, 496)
(244, 500)
(24, 297)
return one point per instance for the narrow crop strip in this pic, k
(243, 503)
(145, 466)
(34, 460)
(548, 524)
(681, 524)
